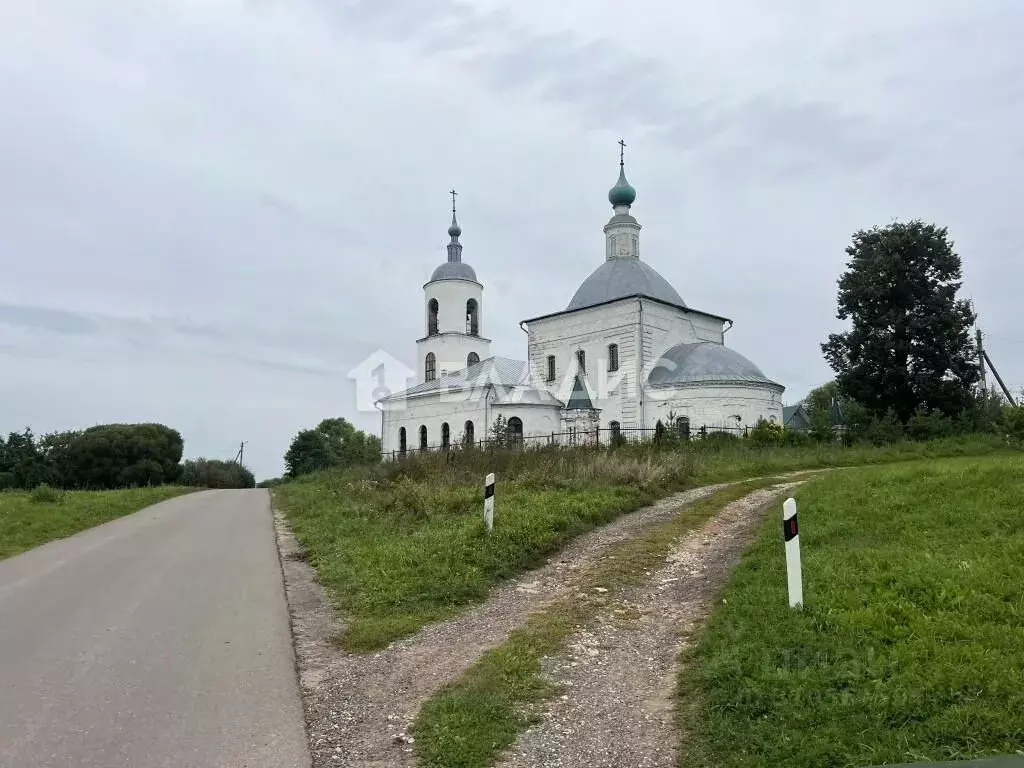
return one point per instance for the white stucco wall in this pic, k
(714, 405)
(432, 412)
(456, 408)
(617, 395)
(666, 326)
(591, 330)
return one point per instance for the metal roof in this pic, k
(705, 362)
(622, 277)
(579, 400)
(454, 270)
(498, 371)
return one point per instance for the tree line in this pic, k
(110, 456)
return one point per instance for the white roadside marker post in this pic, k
(489, 501)
(791, 535)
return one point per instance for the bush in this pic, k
(794, 438)
(142, 473)
(45, 494)
(925, 425)
(213, 473)
(766, 433)
(1013, 421)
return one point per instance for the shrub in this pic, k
(1013, 421)
(766, 433)
(141, 473)
(925, 425)
(213, 473)
(45, 494)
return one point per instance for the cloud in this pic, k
(214, 209)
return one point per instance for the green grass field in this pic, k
(403, 544)
(25, 524)
(911, 643)
(472, 720)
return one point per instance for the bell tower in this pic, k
(453, 314)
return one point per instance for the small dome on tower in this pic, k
(454, 230)
(622, 193)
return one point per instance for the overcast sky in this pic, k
(212, 210)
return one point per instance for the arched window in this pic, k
(616, 430)
(423, 437)
(472, 359)
(581, 360)
(401, 441)
(446, 435)
(683, 427)
(551, 367)
(432, 317)
(430, 367)
(515, 429)
(472, 318)
(613, 357)
(467, 436)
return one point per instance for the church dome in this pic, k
(622, 193)
(454, 270)
(705, 362)
(619, 278)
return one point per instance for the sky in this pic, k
(212, 211)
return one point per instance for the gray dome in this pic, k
(705, 362)
(618, 278)
(454, 270)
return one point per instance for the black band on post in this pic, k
(488, 491)
(790, 529)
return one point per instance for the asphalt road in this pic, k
(160, 639)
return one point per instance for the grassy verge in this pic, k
(911, 645)
(469, 722)
(25, 523)
(401, 545)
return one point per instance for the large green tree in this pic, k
(909, 346)
(332, 443)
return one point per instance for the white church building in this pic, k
(624, 354)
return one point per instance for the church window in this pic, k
(683, 427)
(515, 429)
(472, 318)
(472, 359)
(581, 360)
(401, 441)
(432, 317)
(613, 357)
(551, 368)
(430, 367)
(446, 435)
(468, 433)
(423, 437)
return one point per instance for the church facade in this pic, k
(624, 354)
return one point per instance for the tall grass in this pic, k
(401, 544)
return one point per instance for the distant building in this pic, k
(796, 417)
(626, 352)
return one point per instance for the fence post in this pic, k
(489, 501)
(791, 535)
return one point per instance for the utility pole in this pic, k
(240, 456)
(981, 364)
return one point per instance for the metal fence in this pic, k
(606, 436)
